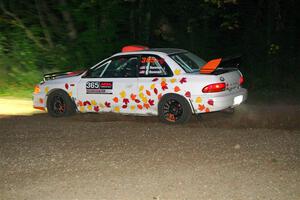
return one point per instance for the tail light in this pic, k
(241, 80)
(216, 87)
(37, 89)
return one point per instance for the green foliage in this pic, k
(42, 36)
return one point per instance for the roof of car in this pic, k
(168, 51)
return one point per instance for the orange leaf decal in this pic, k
(148, 92)
(207, 110)
(176, 89)
(80, 103)
(159, 96)
(164, 85)
(133, 96)
(132, 107)
(146, 105)
(116, 100)
(140, 106)
(41, 100)
(201, 107)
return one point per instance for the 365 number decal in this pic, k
(93, 85)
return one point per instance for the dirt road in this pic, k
(252, 154)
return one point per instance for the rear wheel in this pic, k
(174, 109)
(59, 104)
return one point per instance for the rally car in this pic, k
(170, 83)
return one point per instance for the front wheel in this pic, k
(174, 109)
(59, 104)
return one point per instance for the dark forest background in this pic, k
(39, 36)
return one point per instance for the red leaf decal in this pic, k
(188, 94)
(124, 106)
(107, 104)
(96, 108)
(155, 79)
(137, 101)
(155, 91)
(183, 80)
(86, 103)
(67, 86)
(151, 102)
(210, 102)
(126, 101)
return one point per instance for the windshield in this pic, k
(188, 61)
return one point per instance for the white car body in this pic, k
(140, 95)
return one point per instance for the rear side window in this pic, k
(188, 61)
(153, 66)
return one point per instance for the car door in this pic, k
(153, 74)
(108, 87)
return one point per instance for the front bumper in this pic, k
(39, 101)
(217, 102)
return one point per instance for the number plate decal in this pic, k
(97, 87)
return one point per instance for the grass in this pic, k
(25, 93)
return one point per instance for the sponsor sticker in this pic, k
(97, 87)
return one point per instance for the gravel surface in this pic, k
(251, 154)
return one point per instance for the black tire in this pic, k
(59, 104)
(229, 110)
(174, 109)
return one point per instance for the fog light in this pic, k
(238, 100)
(37, 89)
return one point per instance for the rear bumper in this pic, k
(217, 103)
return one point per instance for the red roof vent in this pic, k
(134, 48)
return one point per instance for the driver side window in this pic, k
(117, 67)
(121, 67)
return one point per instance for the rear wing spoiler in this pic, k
(228, 62)
(55, 75)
